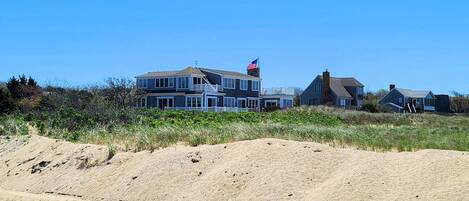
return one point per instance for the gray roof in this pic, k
(338, 85)
(413, 93)
(186, 71)
(227, 73)
(193, 71)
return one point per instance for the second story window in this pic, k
(164, 83)
(183, 82)
(142, 84)
(228, 83)
(243, 84)
(255, 85)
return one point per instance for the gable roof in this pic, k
(413, 93)
(338, 88)
(338, 85)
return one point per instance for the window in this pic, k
(142, 84)
(141, 103)
(183, 82)
(228, 83)
(253, 103)
(194, 102)
(287, 103)
(241, 102)
(343, 102)
(400, 100)
(255, 85)
(164, 82)
(229, 102)
(243, 84)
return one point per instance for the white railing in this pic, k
(428, 108)
(207, 87)
(212, 109)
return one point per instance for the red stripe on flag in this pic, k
(252, 66)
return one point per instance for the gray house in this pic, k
(201, 89)
(278, 97)
(327, 90)
(407, 100)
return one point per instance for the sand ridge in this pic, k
(264, 169)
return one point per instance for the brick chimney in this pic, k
(391, 87)
(326, 84)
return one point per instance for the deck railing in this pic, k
(207, 87)
(213, 109)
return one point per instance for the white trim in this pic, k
(192, 96)
(242, 99)
(258, 85)
(166, 94)
(246, 86)
(223, 82)
(270, 101)
(224, 101)
(158, 98)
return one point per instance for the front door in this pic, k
(165, 102)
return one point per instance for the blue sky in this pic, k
(414, 44)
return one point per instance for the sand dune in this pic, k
(37, 168)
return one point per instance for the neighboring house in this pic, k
(277, 97)
(327, 90)
(201, 89)
(407, 100)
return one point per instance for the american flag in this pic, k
(253, 64)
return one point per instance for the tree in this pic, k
(22, 87)
(32, 82)
(7, 103)
(120, 91)
(13, 85)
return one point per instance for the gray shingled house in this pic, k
(326, 90)
(202, 89)
(408, 100)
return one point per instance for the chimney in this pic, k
(254, 72)
(326, 81)
(391, 87)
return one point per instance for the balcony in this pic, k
(207, 88)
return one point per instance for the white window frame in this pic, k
(242, 99)
(229, 98)
(178, 81)
(226, 83)
(257, 84)
(142, 83)
(198, 99)
(250, 102)
(243, 85)
(140, 101)
(173, 100)
(166, 79)
(271, 101)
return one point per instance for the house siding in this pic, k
(310, 95)
(393, 97)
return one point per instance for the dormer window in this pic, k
(164, 83)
